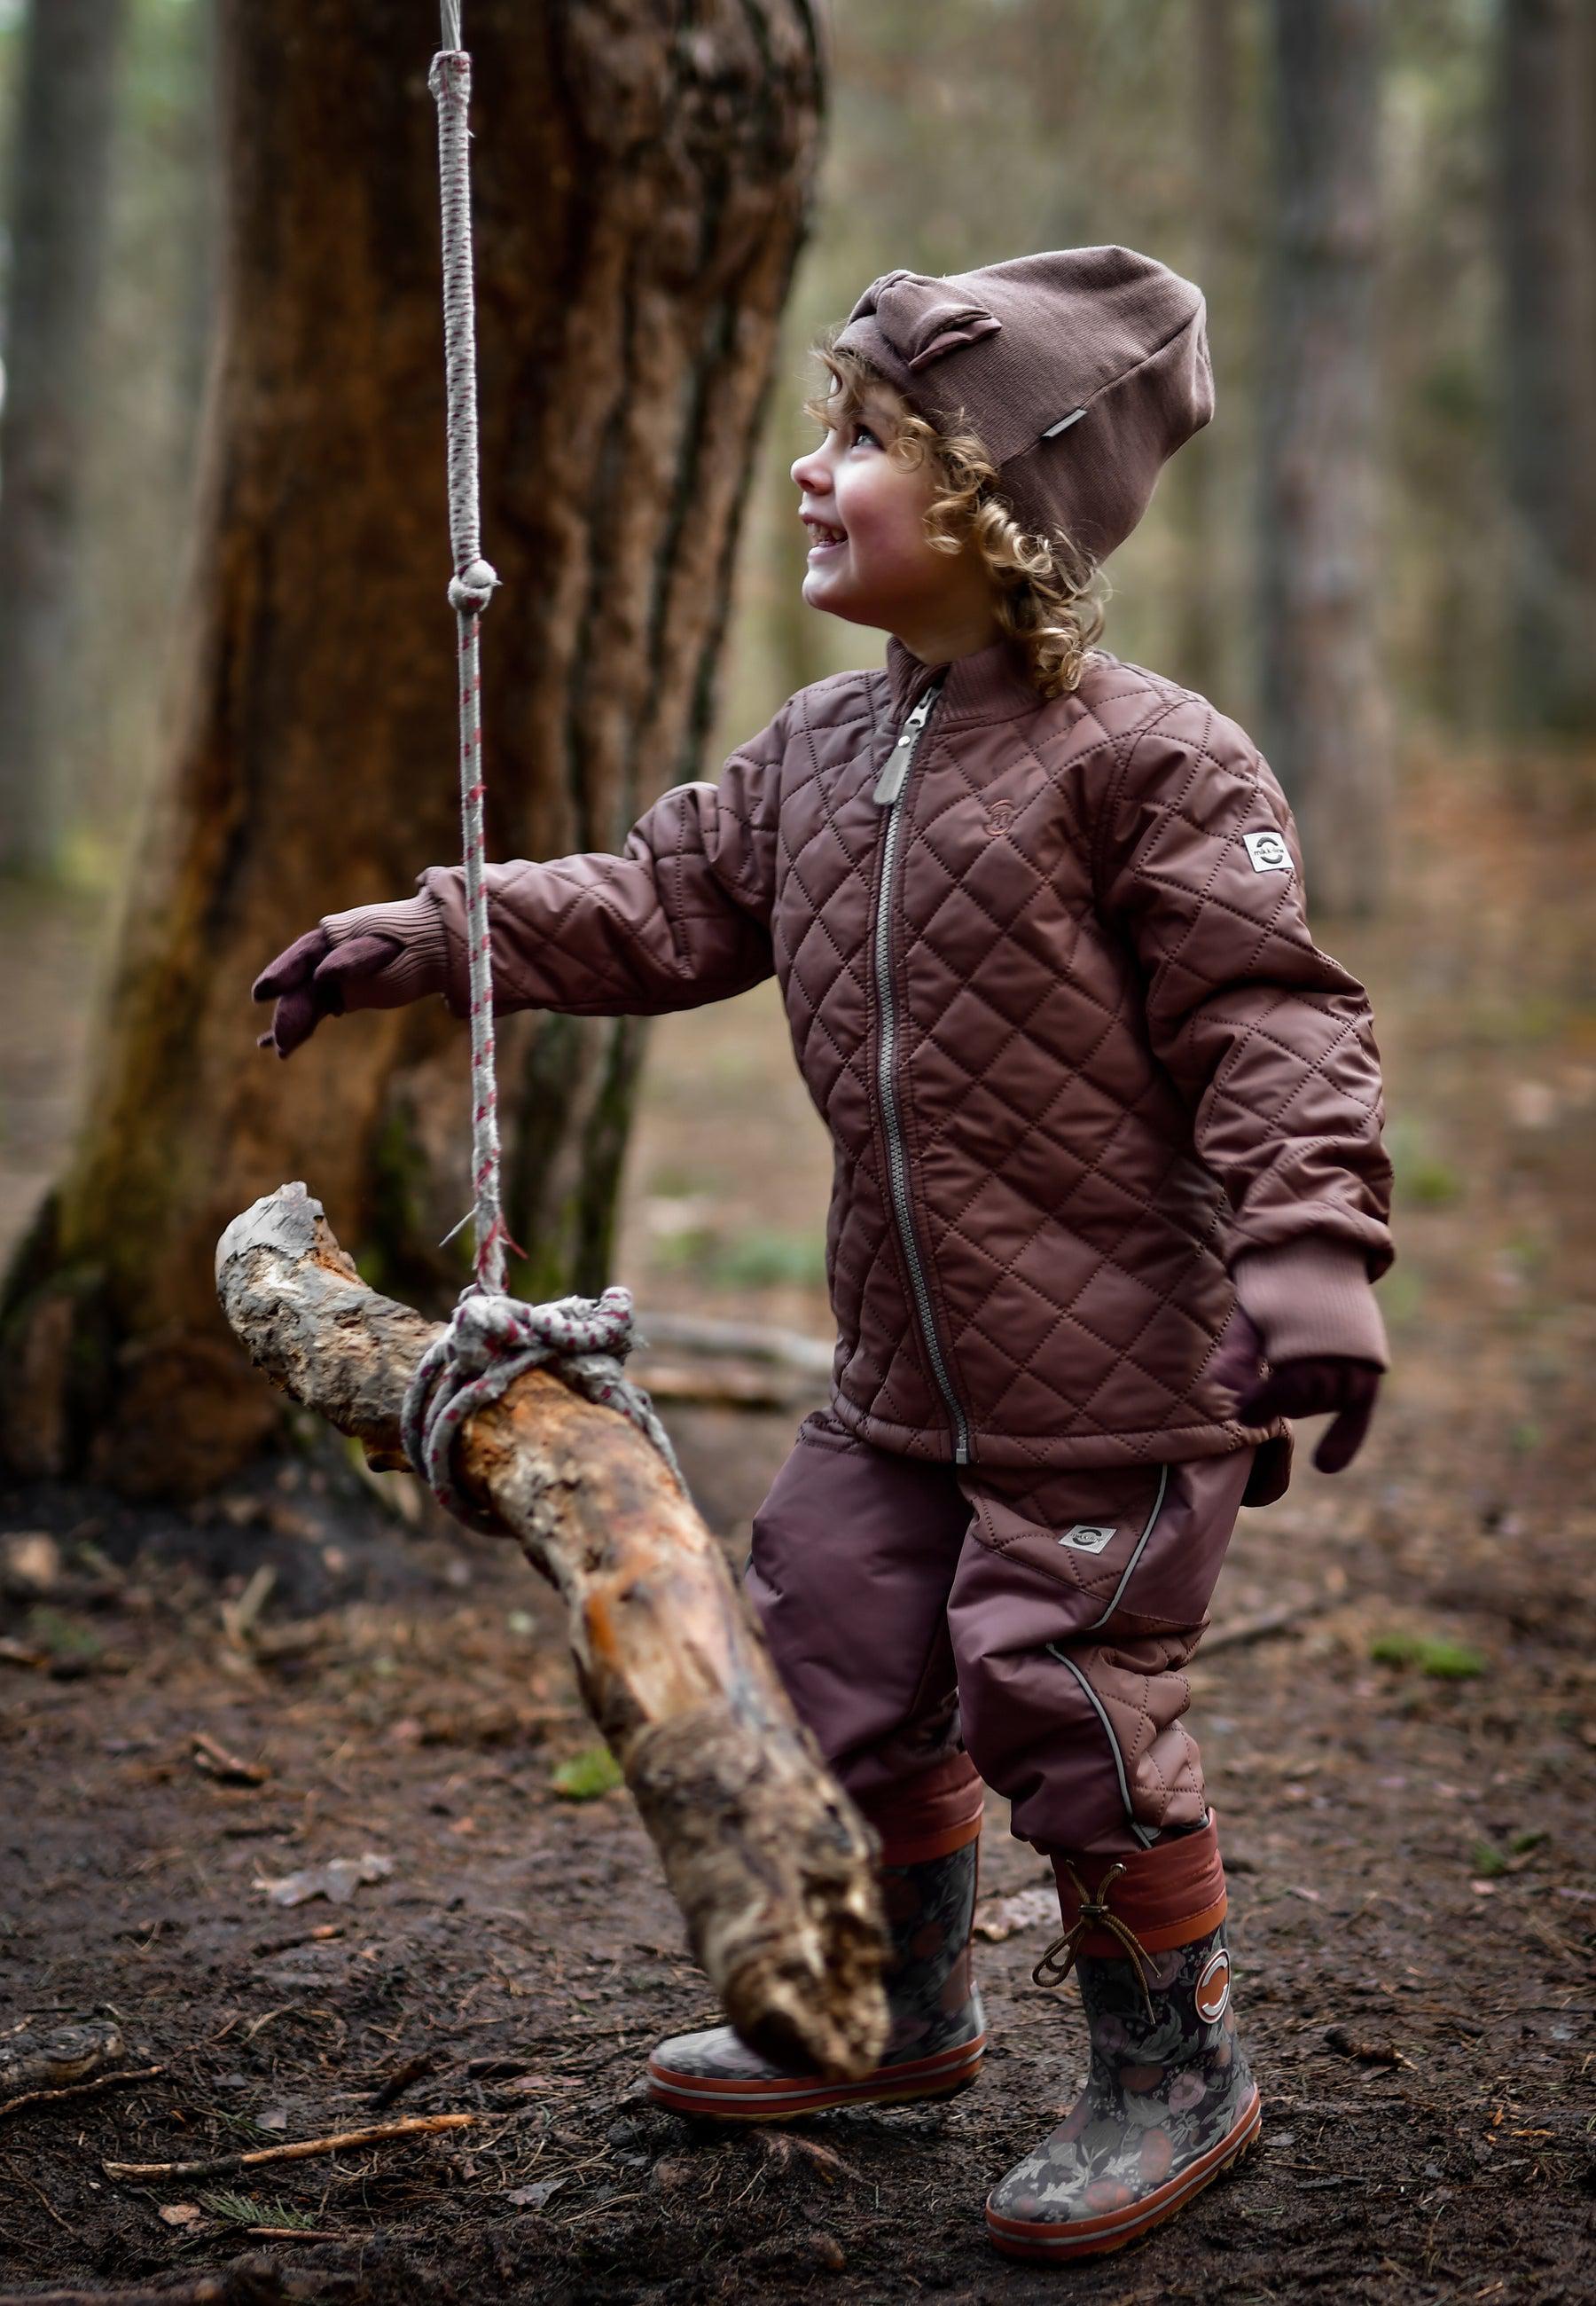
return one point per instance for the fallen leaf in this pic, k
(532, 2198)
(181, 2214)
(337, 1881)
(997, 1919)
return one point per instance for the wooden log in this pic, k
(769, 1861)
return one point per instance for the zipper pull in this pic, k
(894, 769)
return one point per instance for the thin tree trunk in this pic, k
(59, 218)
(1324, 716)
(1548, 373)
(1202, 481)
(641, 193)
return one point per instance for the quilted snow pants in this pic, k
(932, 1623)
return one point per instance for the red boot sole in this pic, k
(1116, 2229)
(784, 2097)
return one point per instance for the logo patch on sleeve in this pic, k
(1269, 853)
(1088, 1536)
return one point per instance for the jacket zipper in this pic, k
(888, 794)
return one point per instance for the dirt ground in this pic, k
(1398, 1711)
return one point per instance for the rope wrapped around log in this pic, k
(772, 1865)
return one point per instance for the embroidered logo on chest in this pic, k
(999, 815)
(1269, 853)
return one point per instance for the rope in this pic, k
(491, 1339)
(469, 593)
(490, 1342)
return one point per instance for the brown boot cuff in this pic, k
(929, 1816)
(1169, 1895)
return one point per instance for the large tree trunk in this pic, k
(1324, 719)
(641, 191)
(59, 218)
(1549, 363)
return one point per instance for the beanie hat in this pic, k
(1081, 369)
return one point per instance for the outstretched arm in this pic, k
(679, 918)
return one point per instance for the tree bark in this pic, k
(766, 1857)
(1325, 722)
(641, 191)
(1548, 245)
(59, 210)
(1202, 481)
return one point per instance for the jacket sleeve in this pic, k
(681, 917)
(1270, 1042)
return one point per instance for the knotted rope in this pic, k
(492, 1341)
(1059, 1960)
(492, 1338)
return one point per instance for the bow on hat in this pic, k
(920, 320)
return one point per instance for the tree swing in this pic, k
(521, 1421)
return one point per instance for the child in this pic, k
(1109, 1190)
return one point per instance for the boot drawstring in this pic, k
(1059, 1960)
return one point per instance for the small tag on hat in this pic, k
(1064, 423)
(1269, 853)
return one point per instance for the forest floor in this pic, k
(1403, 1767)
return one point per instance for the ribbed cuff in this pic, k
(1310, 1297)
(417, 924)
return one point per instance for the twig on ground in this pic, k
(299, 2150)
(80, 2089)
(399, 2080)
(256, 2280)
(238, 1618)
(317, 1936)
(228, 1769)
(1259, 1629)
(1366, 2052)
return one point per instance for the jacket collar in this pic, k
(991, 685)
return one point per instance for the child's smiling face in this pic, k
(870, 559)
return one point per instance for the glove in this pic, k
(1323, 1337)
(374, 957)
(1310, 1388)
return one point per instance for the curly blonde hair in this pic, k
(1048, 597)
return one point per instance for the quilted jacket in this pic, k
(1051, 988)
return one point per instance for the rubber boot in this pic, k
(938, 2030)
(1169, 2100)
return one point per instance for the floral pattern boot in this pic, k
(938, 2031)
(1168, 2102)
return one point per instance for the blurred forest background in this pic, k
(228, 1649)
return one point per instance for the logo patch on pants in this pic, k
(1269, 853)
(1088, 1536)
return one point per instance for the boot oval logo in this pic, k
(1212, 1996)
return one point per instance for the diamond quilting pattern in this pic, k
(1123, 1057)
